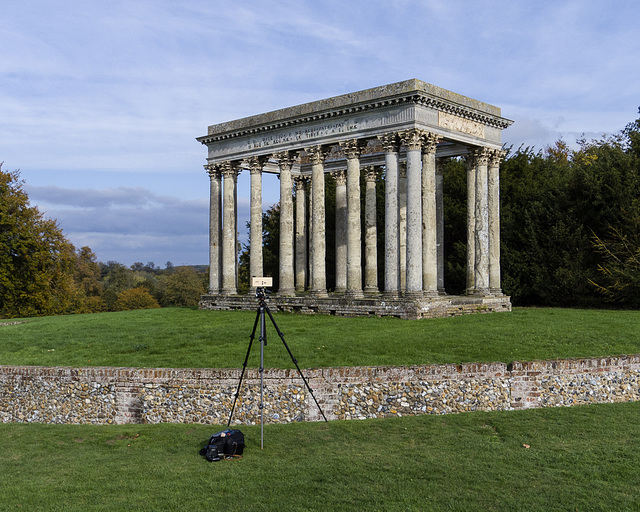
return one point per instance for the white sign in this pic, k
(262, 282)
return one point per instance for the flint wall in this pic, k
(144, 395)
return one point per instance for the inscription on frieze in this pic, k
(315, 132)
(303, 134)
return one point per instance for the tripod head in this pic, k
(261, 293)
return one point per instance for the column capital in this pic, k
(496, 156)
(372, 173)
(213, 170)
(412, 139)
(429, 142)
(389, 142)
(351, 148)
(317, 154)
(481, 156)
(340, 177)
(284, 158)
(470, 159)
(300, 181)
(228, 169)
(256, 163)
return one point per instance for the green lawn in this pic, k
(193, 338)
(581, 458)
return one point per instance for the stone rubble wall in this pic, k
(146, 395)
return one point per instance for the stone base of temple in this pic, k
(432, 307)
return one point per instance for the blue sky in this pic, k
(101, 101)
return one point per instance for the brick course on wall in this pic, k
(147, 395)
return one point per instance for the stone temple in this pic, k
(403, 129)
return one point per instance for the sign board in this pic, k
(261, 282)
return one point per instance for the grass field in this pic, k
(192, 338)
(582, 458)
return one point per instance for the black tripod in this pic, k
(262, 308)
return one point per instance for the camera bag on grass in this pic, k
(224, 445)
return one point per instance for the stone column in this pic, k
(440, 224)
(494, 222)
(310, 235)
(412, 139)
(429, 217)
(341, 231)
(351, 150)
(391, 239)
(471, 223)
(318, 241)
(236, 245)
(256, 265)
(215, 229)
(229, 247)
(370, 234)
(286, 285)
(301, 233)
(482, 223)
(402, 225)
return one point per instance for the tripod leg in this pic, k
(295, 361)
(244, 365)
(263, 342)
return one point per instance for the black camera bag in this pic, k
(225, 444)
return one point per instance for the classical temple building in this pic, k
(405, 129)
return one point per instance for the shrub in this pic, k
(135, 298)
(183, 288)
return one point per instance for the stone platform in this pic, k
(437, 307)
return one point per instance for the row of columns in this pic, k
(414, 256)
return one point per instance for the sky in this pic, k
(101, 101)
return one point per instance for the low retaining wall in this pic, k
(143, 395)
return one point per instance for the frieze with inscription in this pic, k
(302, 134)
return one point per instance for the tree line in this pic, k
(42, 273)
(570, 224)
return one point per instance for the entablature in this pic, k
(459, 121)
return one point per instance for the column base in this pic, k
(287, 292)
(320, 294)
(354, 294)
(413, 295)
(391, 294)
(430, 294)
(372, 290)
(497, 292)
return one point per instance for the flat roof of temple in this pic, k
(437, 97)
